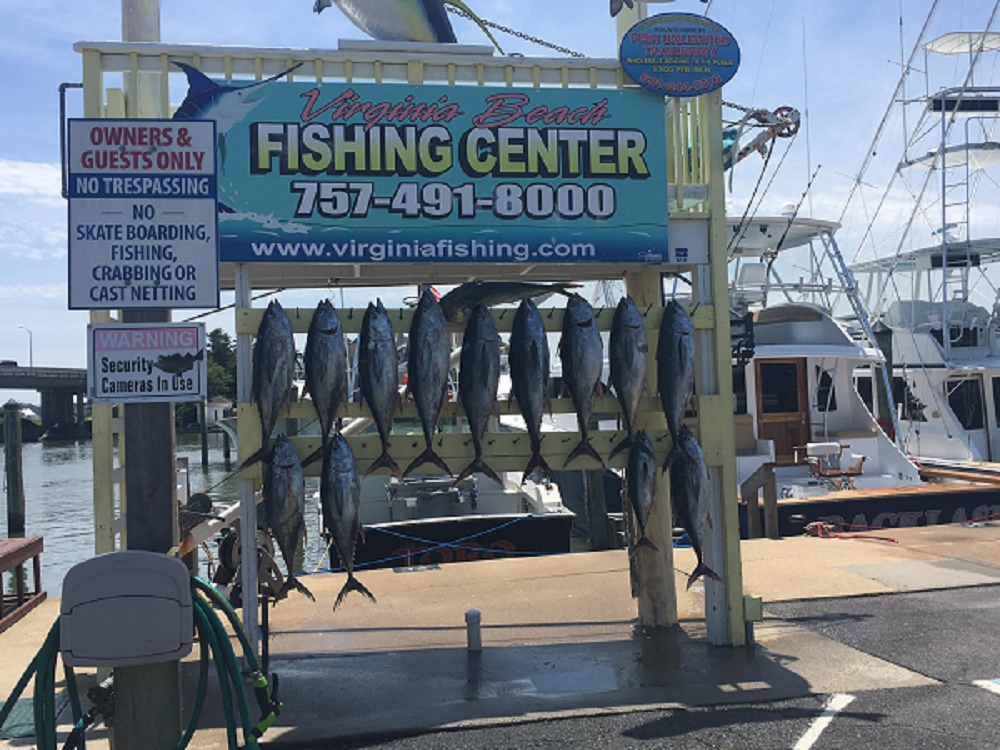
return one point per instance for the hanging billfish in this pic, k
(405, 20)
(273, 368)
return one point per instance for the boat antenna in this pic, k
(805, 112)
(792, 217)
(873, 147)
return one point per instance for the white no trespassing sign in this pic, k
(143, 222)
(146, 362)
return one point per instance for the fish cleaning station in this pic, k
(386, 164)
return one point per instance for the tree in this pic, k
(221, 365)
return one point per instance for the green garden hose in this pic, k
(214, 640)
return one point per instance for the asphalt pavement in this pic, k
(949, 636)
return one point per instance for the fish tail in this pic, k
(702, 570)
(538, 463)
(428, 456)
(584, 448)
(384, 461)
(670, 458)
(481, 466)
(643, 543)
(294, 583)
(258, 456)
(476, 20)
(353, 584)
(623, 445)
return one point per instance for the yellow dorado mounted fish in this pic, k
(405, 20)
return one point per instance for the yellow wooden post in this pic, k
(723, 601)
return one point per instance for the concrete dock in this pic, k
(560, 638)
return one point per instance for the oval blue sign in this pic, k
(679, 54)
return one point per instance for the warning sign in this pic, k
(138, 362)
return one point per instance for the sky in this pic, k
(837, 61)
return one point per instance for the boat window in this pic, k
(863, 384)
(779, 388)
(996, 401)
(826, 393)
(960, 337)
(911, 409)
(965, 397)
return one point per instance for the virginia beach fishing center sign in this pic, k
(366, 173)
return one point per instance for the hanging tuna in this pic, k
(582, 354)
(326, 369)
(628, 361)
(528, 358)
(675, 368)
(428, 361)
(478, 378)
(273, 370)
(378, 375)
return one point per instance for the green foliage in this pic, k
(221, 365)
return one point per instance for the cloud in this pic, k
(37, 179)
(32, 215)
(30, 294)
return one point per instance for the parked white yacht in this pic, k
(938, 298)
(796, 405)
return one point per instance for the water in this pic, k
(59, 505)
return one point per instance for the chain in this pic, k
(518, 34)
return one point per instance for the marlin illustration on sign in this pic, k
(227, 105)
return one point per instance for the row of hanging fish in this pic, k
(581, 352)
(428, 363)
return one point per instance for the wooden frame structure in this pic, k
(696, 205)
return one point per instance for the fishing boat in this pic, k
(796, 409)
(936, 291)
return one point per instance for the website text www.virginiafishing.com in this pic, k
(442, 250)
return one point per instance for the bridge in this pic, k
(59, 388)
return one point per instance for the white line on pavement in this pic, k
(837, 703)
(992, 685)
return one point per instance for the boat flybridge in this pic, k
(947, 385)
(796, 405)
(944, 313)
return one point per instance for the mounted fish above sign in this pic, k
(405, 20)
